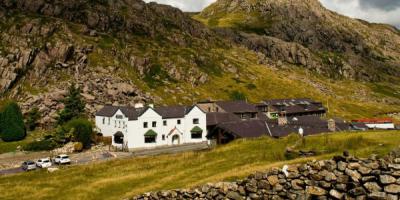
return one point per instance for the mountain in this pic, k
(307, 34)
(128, 51)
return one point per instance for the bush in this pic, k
(12, 127)
(32, 117)
(82, 131)
(78, 147)
(44, 145)
(237, 95)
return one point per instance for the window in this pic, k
(196, 121)
(179, 121)
(145, 125)
(119, 116)
(154, 124)
(165, 122)
(217, 109)
(150, 139)
(104, 120)
(108, 121)
(119, 124)
(163, 137)
(197, 135)
(115, 123)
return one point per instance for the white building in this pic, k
(148, 127)
(377, 123)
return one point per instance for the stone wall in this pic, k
(342, 177)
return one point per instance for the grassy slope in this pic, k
(125, 178)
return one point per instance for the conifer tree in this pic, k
(74, 107)
(12, 125)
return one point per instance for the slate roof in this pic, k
(237, 106)
(168, 112)
(311, 125)
(292, 106)
(217, 118)
(245, 129)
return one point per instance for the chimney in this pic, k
(139, 105)
(282, 119)
(332, 125)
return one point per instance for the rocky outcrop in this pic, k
(134, 16)
(343, 177)
(359, 49)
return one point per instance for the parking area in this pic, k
(11, 163)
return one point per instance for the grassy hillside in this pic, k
(125, 178)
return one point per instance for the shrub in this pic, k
(237, 95)
(32, 117)
(12, 127)
(43, 145)
(82, 131)
(78, 147)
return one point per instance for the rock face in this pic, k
(99, 45)
(339, 178)
(344, 47)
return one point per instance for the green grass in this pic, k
(128, 177)
(6, 147)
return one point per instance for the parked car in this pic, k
(28, 165)
(43, 163)
(62, 159)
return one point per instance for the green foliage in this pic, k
(32, 118)
(12, 127)
(237, 95)
(43, 145)
(74, 106)
(82, 131)
(78, 147)
(155, 75)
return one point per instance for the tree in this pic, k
(73, 105)
(82, 131)
(32, 117)
(12, 127)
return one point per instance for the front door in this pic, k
(175, 140)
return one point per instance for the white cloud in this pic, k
(361, 10)
(185, 5)
(388, 11)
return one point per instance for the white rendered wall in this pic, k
(381, 126)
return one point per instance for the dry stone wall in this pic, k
(342, 177)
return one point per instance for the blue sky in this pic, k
(381, 11)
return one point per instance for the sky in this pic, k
(379, 11)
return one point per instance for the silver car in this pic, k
(28, 165)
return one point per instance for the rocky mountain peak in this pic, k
(338, 46)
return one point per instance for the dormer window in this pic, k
(119, 116)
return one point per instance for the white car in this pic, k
(43, 163)
(62, 159)
(28, 165)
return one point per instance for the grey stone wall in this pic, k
(342, 177)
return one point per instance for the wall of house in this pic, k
(199, 114)
(381, 126)
(210, 107)
(112, 125)
(136, 130)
